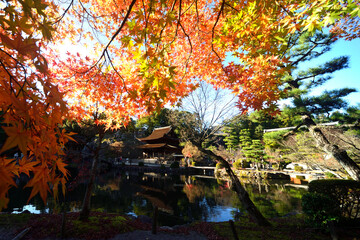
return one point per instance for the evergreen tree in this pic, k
(300, 83)
(244, 138)
(232, 138)
(254, 152)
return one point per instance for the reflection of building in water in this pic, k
(157, 197)
(161, 145)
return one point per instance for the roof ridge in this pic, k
(162, 127)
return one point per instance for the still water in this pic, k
(180, 199)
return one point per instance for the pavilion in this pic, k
(161, 145)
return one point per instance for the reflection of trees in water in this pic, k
(273, 200)
(216, 193)
(189, 198)
(205, 195)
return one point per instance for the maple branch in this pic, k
(7, 71)
(283, 8)
(162, 30)
(119, 29)
(213, 32)
(146, 22)
(64, 13)
(178, 23)
(191, 49)
(197, 15)
(13, 78)
(116, 71)
(113, 37)
(189, 7)
(232, 7)
(87, 12)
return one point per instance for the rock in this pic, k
(166, 228)
(145, 219)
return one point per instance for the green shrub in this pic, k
(141, 164)
(300, 177)
(346, 193)
(329, 175)
(237, 164)
(162, 167)
(174, 165)
(298, 168)
(319, 208)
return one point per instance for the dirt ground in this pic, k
(9, 234)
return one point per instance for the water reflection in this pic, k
(180, 199)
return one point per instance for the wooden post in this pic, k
(232, 225)
(332, 229)
(154, 223)
(63, 225)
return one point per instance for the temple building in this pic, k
(162, 145)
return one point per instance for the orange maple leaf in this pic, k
(16, 137)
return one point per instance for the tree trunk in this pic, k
(339, 154)
(85, 211)
(243, 196)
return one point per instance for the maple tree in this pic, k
(156, 53)
(31, 105)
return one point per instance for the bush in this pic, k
(346, 194)
(298, 168)
(300, 177)
(320, 208)
(141, 164)
(237, 164)
(162, 167)
(219, 165)
(174, 165)
(329, 175)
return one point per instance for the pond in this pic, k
(179, 198)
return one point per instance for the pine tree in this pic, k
(254, 152)
(300, 83)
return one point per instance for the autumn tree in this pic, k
(31, 106)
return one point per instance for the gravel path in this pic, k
(7, 233)
(147, 235)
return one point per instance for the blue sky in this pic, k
(349, 77)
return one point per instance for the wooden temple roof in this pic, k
(157, 133)
(156, 145)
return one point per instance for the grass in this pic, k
(282, 229)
